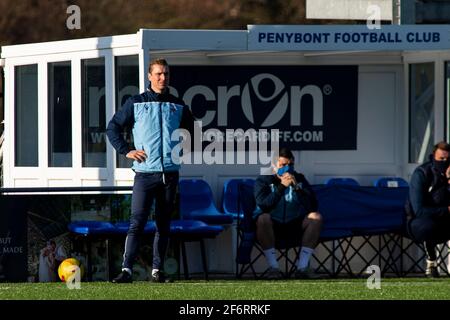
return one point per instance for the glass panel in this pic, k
(127, 85)
(26, 116)
(59, 114)
(421, 110)
(2, 117)
(93, 112)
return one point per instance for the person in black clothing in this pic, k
(286, 209)
(154, 116)
(429, 204)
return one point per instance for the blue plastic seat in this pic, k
(341, 182)
(230, 199)
(193, 230)
(182, 231)
(92, 228)
(197, 203)
(122, 227)
(391, 182)
(177, 227)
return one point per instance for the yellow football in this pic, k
(68, 267)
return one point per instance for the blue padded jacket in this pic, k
(153, 118)
(284, 204)
(429, 193)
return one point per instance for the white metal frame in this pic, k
(120, 176)
(74, 51)
(438, 58)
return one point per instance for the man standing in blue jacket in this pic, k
(153, 116)
(287, 211)
(429, 204)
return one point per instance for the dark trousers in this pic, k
(147, 188)
(431, 231)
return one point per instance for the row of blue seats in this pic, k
(200, 217)
(198, 209)
(383, 182)
(121, 228)
(180, 230)
(230, 190)
(197, 201)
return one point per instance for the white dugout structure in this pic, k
(357, 102)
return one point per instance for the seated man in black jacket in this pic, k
(429, 210)
(286, 208)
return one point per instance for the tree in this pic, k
(29, 21)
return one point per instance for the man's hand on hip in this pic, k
(138, 155)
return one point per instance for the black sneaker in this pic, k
(160, 277)
(123, 277)
(273, 274)
(306, 273)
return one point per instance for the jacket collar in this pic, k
(162, 94)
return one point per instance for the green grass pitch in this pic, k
(347, 289)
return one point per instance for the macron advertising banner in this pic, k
(313, 107)
(348, 37)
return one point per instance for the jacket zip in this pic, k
(284, 209)
(161, 144)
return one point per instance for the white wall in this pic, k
(380, 125)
